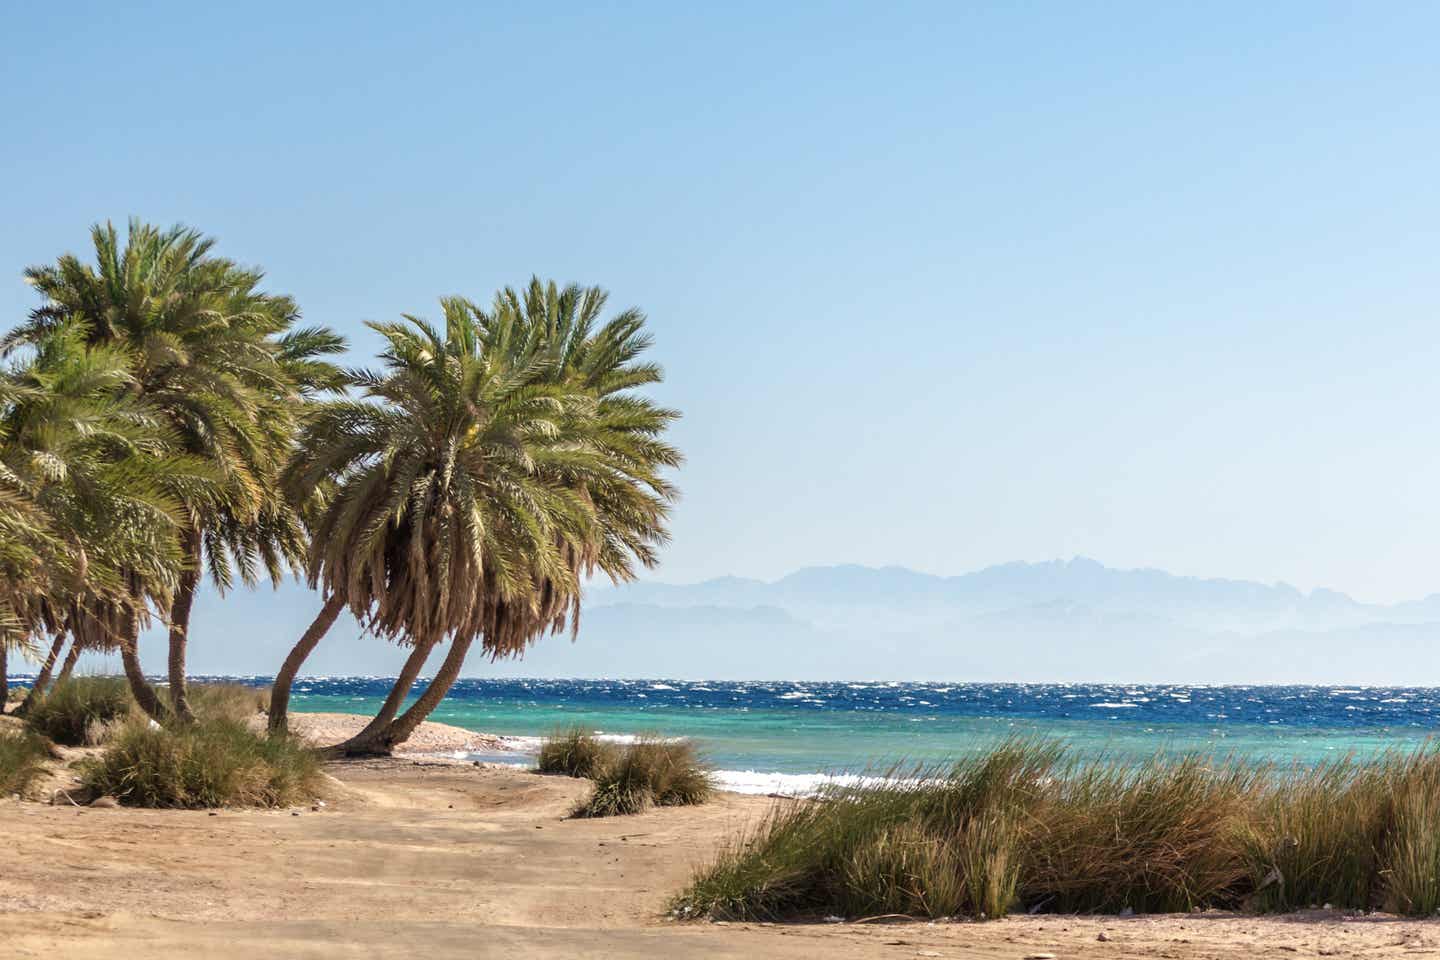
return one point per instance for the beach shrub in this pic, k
(229, 701)
(78, 711)
(1022, 828)
(22, 758)
(576, 752)
(210, 763)
(648, 772)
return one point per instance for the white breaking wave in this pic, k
(786, 784)
(633, 738)
(1113, 706)
(531, 745)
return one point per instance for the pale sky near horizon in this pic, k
(937, 285)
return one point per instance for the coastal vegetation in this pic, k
(208, 763)
(79, 711)
(576, 752)
(649, 772)
(163, 418)
(630, 778)
(489, 468)
(1025, 828)
(22, 758)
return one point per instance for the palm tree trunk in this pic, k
(71, 659)
(180, 623)
(285, 679)
(398, 692)
(140, 688)
(4, 676)
(398, 732)
(42, 679)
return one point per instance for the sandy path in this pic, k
(428, 860)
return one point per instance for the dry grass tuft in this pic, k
(227, 701)
(22, 759)
(79, 711)
(575, 752)
(651, 771)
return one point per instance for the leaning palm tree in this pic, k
(600, 367)
(219, 360)
(466, 496)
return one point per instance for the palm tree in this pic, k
(93, 490)
(218, 359)
(471, 490)
(599, 367)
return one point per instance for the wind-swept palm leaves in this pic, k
(217, 359)
(93, 493)
(161, 416)
(489, 468)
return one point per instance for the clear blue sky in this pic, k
(937, 285)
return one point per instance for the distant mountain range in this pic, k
(839, 593)
(1059, 620)
(1070, 620)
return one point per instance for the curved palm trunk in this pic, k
(140, 688)
(42, 679)
(398, 732)
(180, 624)
(71, 659)
(285, 679)
(362, 742)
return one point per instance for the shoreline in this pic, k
(444, 742)
(447, 743)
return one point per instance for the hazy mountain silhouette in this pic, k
(1058, 620)
(843, 592)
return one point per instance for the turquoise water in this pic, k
(804, 729)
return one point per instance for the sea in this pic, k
(789, 737)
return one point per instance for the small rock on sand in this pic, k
(105, 803)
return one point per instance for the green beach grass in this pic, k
(631, 779)
(1024, 828)
(575, 752)
(22, 759)
(80, 710)
(211, 763)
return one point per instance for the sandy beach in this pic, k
(429, 738)
(414, 857)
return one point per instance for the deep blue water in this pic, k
(803, 728)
